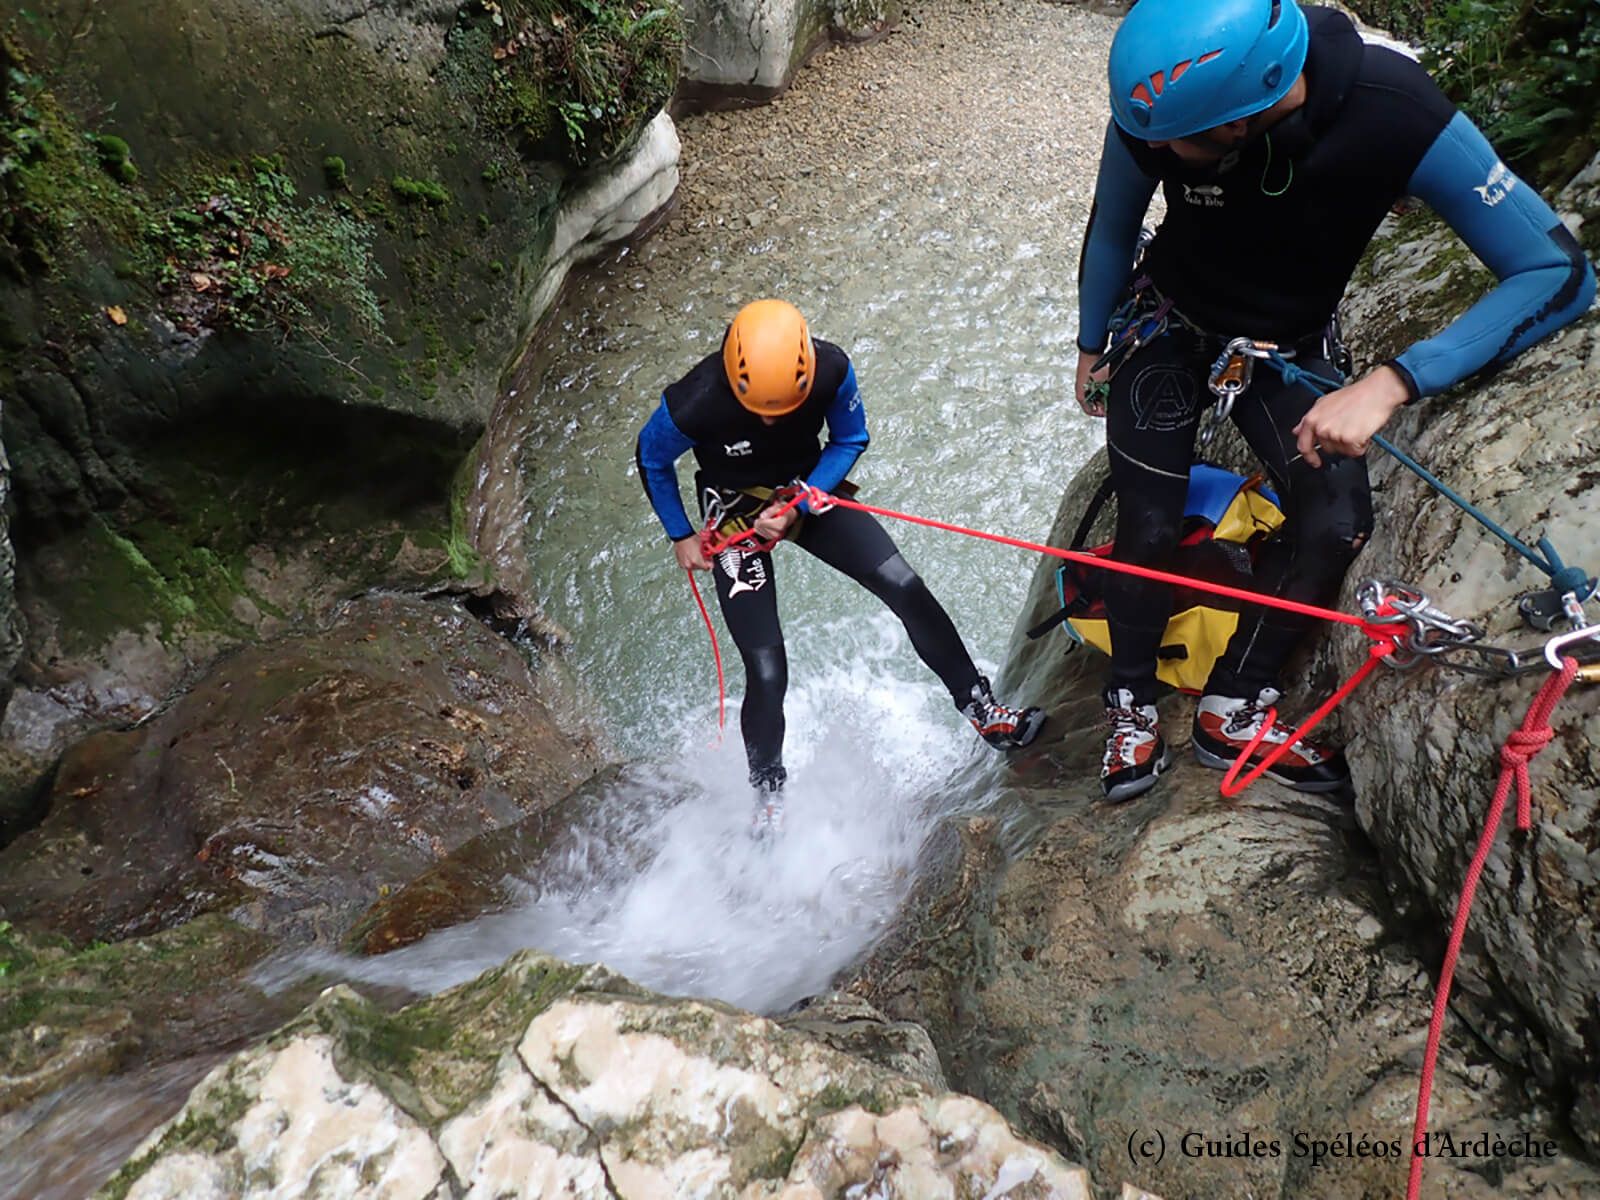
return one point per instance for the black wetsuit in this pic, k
(735, 450)
(1262, 245)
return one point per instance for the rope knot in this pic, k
(1571, 579)
(1523, 745)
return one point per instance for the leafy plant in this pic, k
(247, 252)
(22, 135)
(1527, 73)
(571, 77)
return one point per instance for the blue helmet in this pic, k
(1180, 66)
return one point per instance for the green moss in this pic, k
(834, 1097)
(115, 157)
(335, 172)
(356, 497)
(57, 194)
(436, 1055)
(49, 982)
(117, 588)
(1449, 283)
(465, 561)
(420, 191)
(210, 1132)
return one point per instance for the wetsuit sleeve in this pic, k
(847, 437)
(1545, 280)
(661, 444)
(1121, 195)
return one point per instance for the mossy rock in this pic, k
(69, 1012)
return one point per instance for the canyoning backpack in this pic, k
(1226, 519)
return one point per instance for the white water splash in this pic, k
(668, 887)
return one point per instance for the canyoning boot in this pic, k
(1136, 753)
(766, 822)
(1224, 725)
(1003, 728)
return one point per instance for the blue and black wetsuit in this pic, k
(735, 450)
(1262, 245)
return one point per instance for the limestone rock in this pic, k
(350, 242)
(543, 1079)
(749, 50)
(1185, 964)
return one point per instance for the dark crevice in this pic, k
(599, 1155)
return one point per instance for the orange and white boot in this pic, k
(1136, 753)
(1224, 725)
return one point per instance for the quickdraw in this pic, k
(1452, 642)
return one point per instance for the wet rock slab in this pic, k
(1523, 446)
(297, 781)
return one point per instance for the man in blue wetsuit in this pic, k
(1280, 140)
(752, 413)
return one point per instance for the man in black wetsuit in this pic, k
(752, 413)
(1280, 140)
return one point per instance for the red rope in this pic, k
(716, 652)
(1377, 653)
(1375, 631)
(1383, 635)
(1525, 742)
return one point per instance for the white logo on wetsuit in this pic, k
(747, 571)
(1209, 195)
(738, 449)
(1498, 186)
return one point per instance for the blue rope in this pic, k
(1562, 577)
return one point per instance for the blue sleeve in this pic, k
(847, 436)
(1545, 280)
(1121, 194)
(661, 444)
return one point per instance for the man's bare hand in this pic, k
(1345, 421)
(691, 555)
(771, 525)
(1090, 387)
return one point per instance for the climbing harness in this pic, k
(741, 538)
(1144, 316)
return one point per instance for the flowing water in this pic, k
(942, 261)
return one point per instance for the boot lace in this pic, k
(1126, 724)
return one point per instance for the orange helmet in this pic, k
(769, 357)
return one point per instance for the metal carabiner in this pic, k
(714, 508)
(1589, 632)
(1374, 593)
